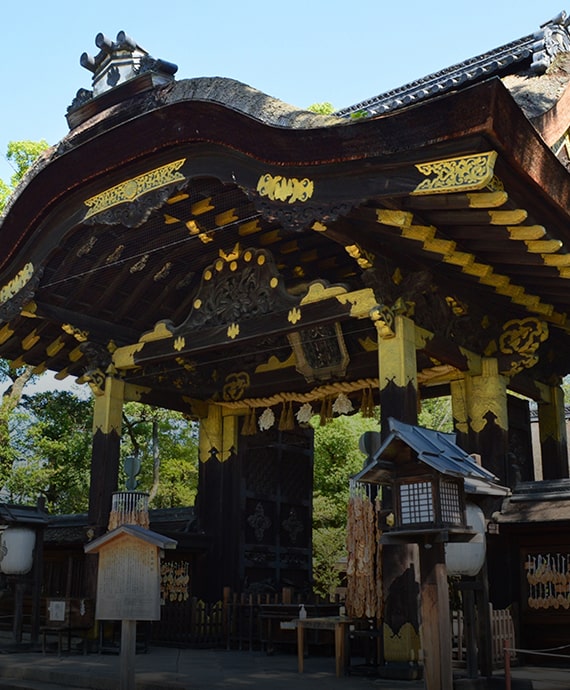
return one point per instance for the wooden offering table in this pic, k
(340, 625)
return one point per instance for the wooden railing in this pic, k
(502, 632)
(238, 621)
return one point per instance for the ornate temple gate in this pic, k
(199, 246)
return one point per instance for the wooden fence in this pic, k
(239, 621)
(502, 631)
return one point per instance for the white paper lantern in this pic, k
(467, 558)
(17, 550)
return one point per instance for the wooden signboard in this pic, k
(128, 582)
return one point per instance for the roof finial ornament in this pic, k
(119, 62)
(553, 38)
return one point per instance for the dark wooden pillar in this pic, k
(105, 456)
(399, 399)
(218, 504)
(435, 617)
(553, 437)
(105, 453)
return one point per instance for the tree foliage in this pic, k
(337, 457)
(21, 155)
(50, 452)
(16, 379)
(166, 443)
(52, 443)
(324, 108)
(436, 414)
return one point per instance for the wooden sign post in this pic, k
(128, 585)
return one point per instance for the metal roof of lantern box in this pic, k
(428, 475)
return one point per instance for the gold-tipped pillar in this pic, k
(553, 436)
(107, 418)
(218, 435)
(218, 502)
(397, 369)
(481, 418)
(398, 382)
(459, 411)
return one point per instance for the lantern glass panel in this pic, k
(451, 511)
(416, 503)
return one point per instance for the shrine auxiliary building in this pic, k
(198, 245)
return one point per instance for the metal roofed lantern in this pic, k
(428, 475)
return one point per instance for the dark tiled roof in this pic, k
(72, 529)
(439, 451)
(11, 514)
(537, 502)
(533, 53)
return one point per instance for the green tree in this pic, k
(324, 108)
(15, 379)
(166, 444)
(20, 155)
(53, 449)
(436, 414)
(51, 446)
(337, 457)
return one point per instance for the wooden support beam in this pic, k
(435, 617)
(164, 345)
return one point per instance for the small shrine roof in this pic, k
(146, 535)
(436, 449)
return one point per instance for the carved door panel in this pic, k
(276, 498)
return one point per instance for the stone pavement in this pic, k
(164, 668)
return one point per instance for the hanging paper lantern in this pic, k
(17, 550)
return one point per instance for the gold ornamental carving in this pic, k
(294, 315)
(77, 333)
(362, 257)
(279, 188)
(20, 280)
(362, 302)
(132, 189)
(384, 320)
(235, 386)
(457, 174)
(520, 340)
(233, 331)
(317, 292)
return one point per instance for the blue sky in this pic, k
(301, 51)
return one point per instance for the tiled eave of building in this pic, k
(532, 54)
